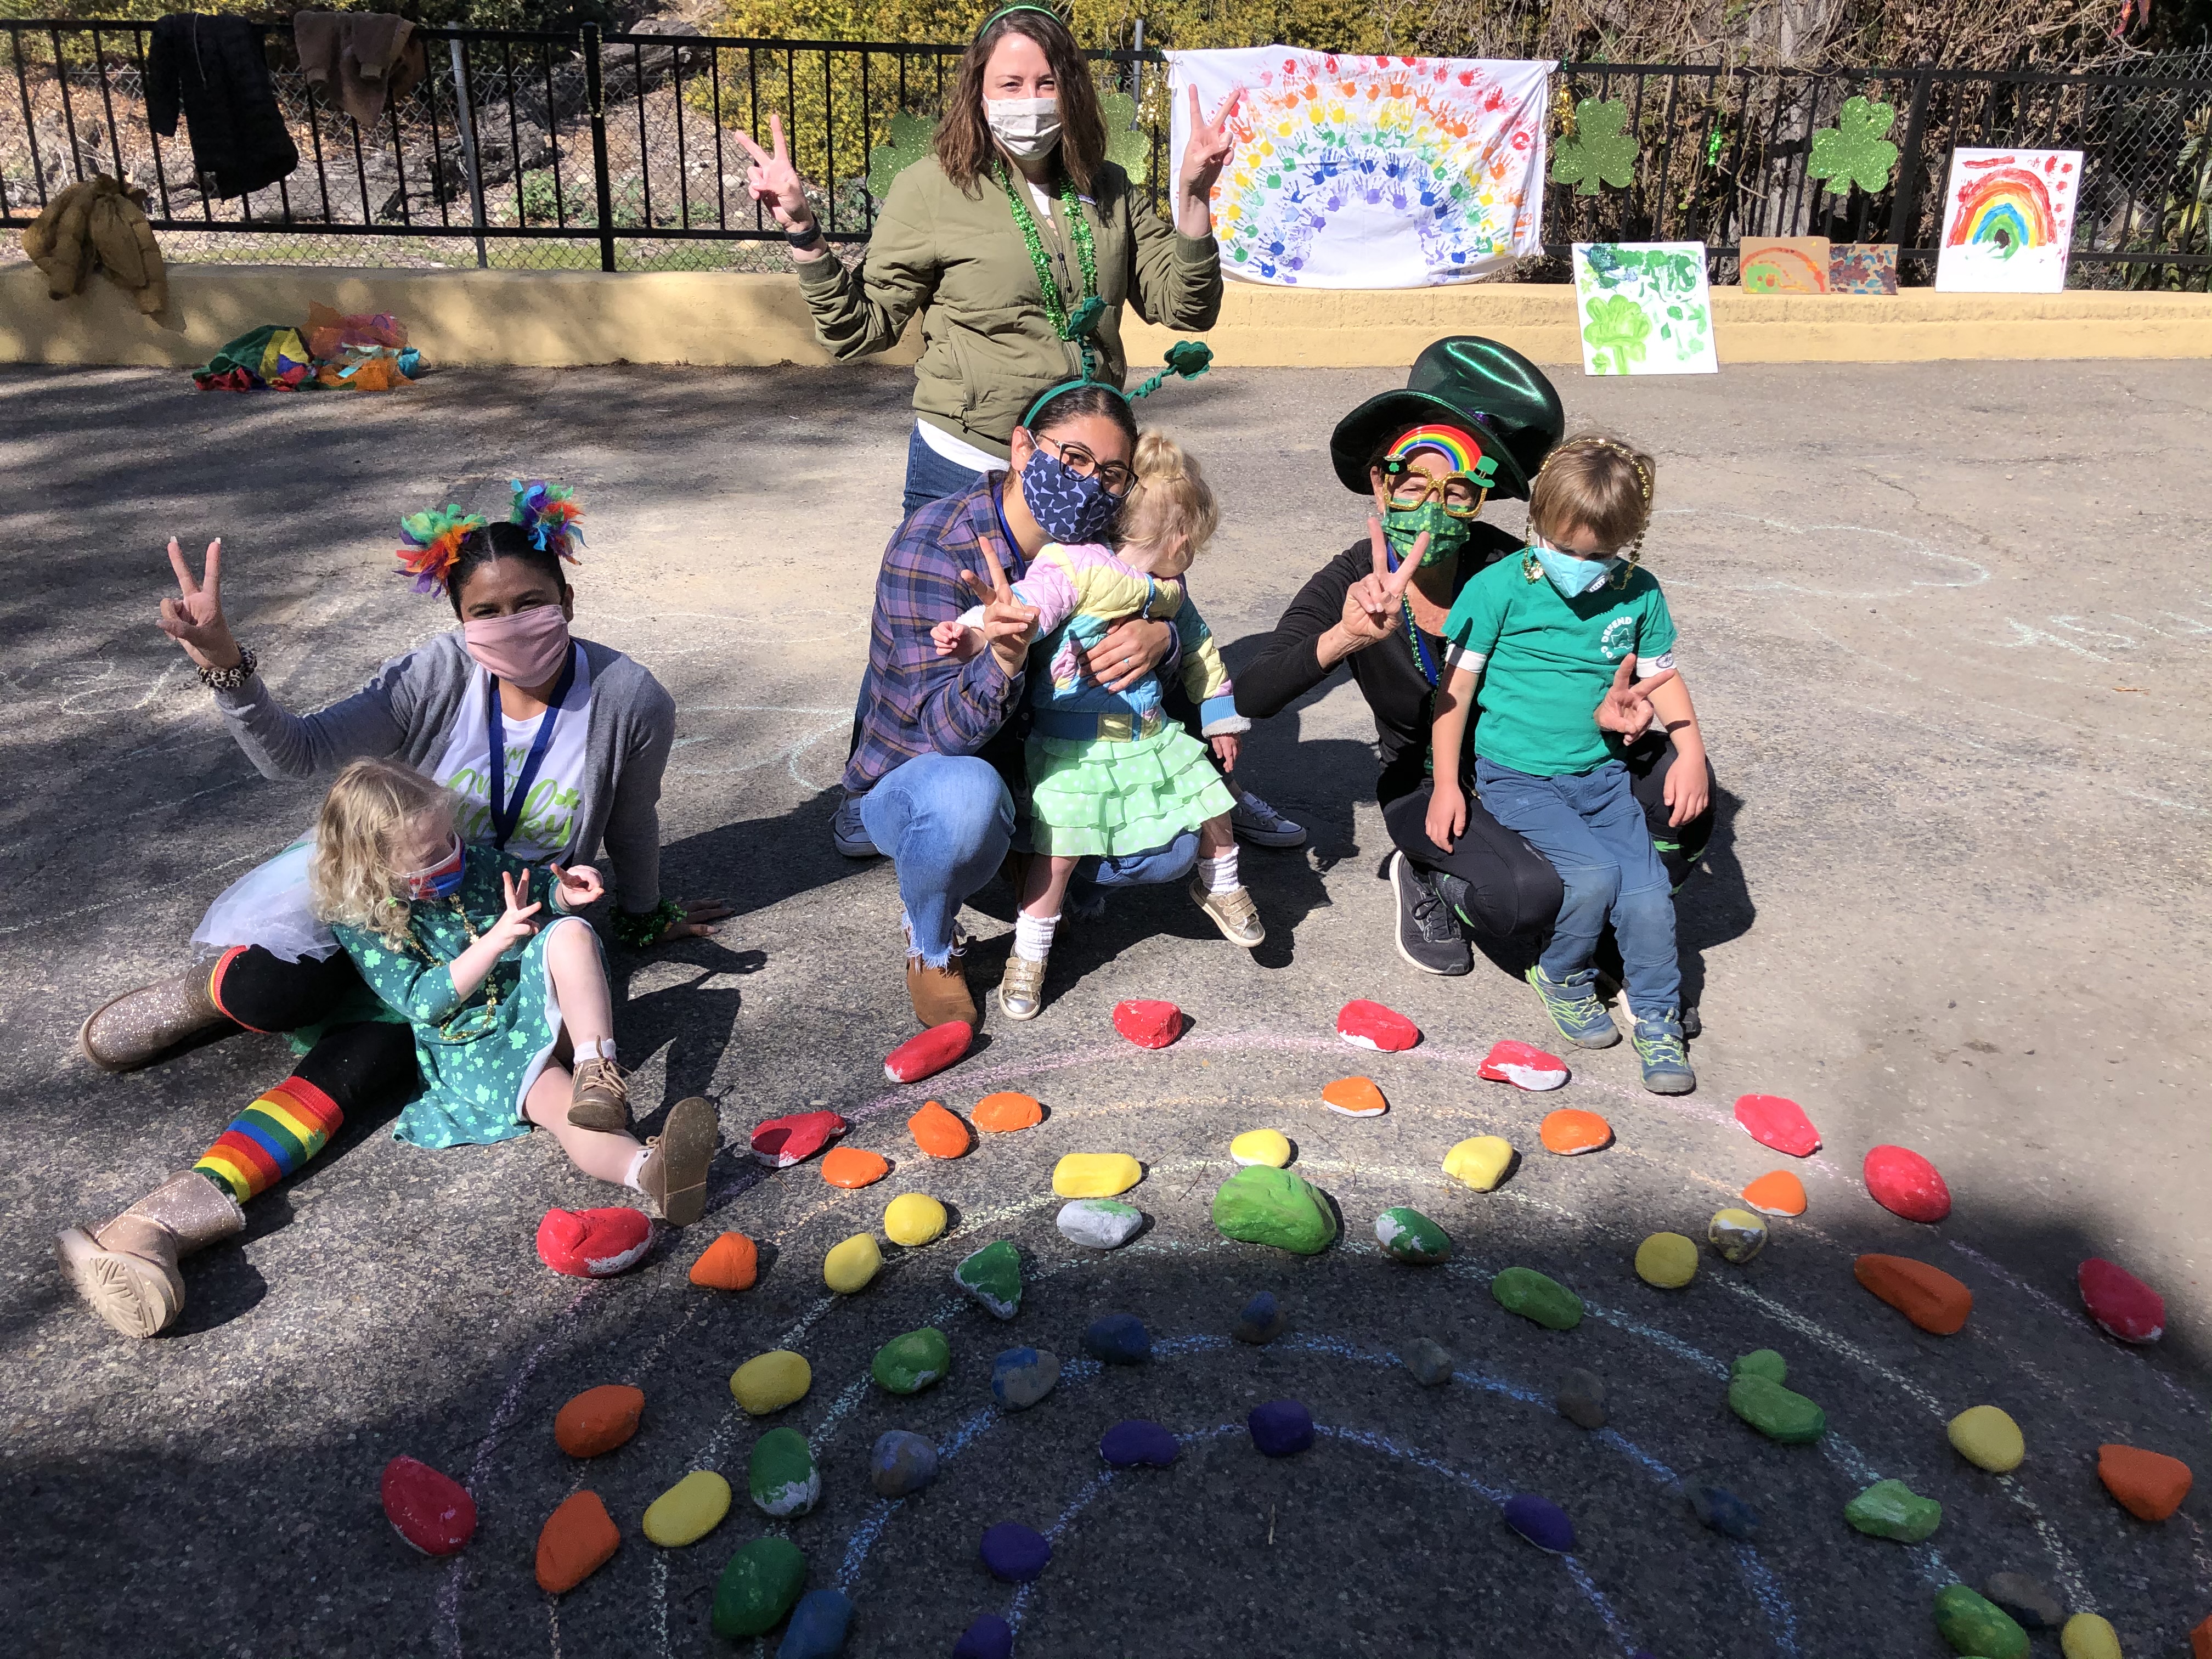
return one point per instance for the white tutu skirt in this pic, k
(269, 906)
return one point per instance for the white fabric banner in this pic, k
(1369, 172)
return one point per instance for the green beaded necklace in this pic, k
(1055, 309)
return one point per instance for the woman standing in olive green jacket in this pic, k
(999, 239)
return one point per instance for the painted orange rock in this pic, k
(731, 1262)
(2200, 1641)
(850, 1166)
(598, 1420)
(1004, 1115)
(1354, 1097)
(1777, 1193)
(2149, 1484)
(577, 1540)
(939, 1132)
(1568, 1132)
(1927, 1295)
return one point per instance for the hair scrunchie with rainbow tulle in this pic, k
(548, 514)
(433, 541)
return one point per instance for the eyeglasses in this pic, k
(1117, 480)
(1459, 494)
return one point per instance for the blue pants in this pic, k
(1592, 829)
(930, 476)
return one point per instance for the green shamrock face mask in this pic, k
(1447, 533)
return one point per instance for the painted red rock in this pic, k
(930, 1053)
(1524, 1067)
(2122, 1304)
(783, 1142)
(593, 1243)
(1905, 1183)
(430, 1510)
(1782, 1124)
(1148, 1024)
(1370, 1025)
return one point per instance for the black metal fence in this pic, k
(618, 151)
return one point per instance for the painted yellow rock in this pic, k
(1988, 1439)
(1669, 1260)
(1481, 1163)
(688, 1510)
(2085, 1636)
(850, 1265)
(770, 1382)
(1094, 1174)
(1270, 1147)
(913, 1218)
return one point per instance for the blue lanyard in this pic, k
(1013, 547)
(507, 814)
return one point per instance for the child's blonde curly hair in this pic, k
(1171, 497)
(360, 840)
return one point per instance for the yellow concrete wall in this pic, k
(554, 319)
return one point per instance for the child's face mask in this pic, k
(440, 880)
(1570, 574)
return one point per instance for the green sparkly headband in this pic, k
(1186, 360)
(1008, 11)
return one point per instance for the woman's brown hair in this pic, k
(966, 149)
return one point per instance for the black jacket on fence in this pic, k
(218, 69)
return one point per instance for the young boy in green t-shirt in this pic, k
(1547, 634)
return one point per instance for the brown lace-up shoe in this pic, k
(128, 1032)
(939, 994)
(600, 1099)
(126, 1271)
(674, 1175)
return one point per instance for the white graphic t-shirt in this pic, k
(548, 822)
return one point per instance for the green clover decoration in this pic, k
(1598, 149)
(909, 142)
(1853, 151)
(1618, 326)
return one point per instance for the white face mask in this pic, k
(1028, 127)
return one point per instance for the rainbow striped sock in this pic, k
(271, 1138)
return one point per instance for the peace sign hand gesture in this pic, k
(514, 924)
(1008, 624)
(1374, 605)
(194, 618)
(772, 179)
(1207, 152)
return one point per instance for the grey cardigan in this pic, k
(407, 712)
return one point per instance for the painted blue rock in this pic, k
(1118, 1340)
(989, 1637)
(818, 1626)
(1022, 1376)
(1262, 1320)
(1281, 1428)
(901, 1463)
(1721, 1510)
(1542, 1523)
(1138, 1442)
(1015, 1553)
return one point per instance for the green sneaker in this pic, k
(1573, 1005)
(1658, 1039)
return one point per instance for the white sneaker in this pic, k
(1254, 821)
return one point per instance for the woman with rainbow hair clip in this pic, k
(552, 747)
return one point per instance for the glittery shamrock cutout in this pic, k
(1128, 146)
(1598, 150)
(909, 143)
(1853, 151)
(1619, 327)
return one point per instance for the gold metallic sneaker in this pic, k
(1021, 993)
(1232, 912)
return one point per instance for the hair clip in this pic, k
(548, 514)
(433, 543)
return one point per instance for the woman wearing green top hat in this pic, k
(1018, 242)
(1474, 421)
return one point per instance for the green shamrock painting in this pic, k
(1615, 333)
(1643, 308)
(1854, 150)
(1598, 151)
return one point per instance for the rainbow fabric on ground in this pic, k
(271, 1138)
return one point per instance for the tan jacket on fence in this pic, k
(96, 220)
(958, 257)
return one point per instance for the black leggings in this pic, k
(1513, 892)
(357, 1066)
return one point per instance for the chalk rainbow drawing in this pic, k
(2008, 209)
(1452, 147)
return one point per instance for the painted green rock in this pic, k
(910, 1363)
(1890, 1509)
(1974, 1625)
(760, 1584)
(992, 1277)
(1775, 1411)
(1761, 1362)
(1409, 1235)
(782, 1473)
(1528, 1293)
(1261, 1206)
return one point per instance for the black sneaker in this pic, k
(1429, 934)
(847, 833)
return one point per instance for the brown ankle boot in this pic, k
(939, 994)
(600, 1099)
(127, 1270)
(674, 1175)
(129, 1031)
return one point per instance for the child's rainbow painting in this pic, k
(2008, 220)
(1370, 172)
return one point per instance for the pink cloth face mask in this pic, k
(527, 649)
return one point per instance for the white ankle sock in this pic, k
(603, 1049)
(1219, 874)
(1033, 936)
(636, 1167)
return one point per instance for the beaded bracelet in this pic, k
(647, 927)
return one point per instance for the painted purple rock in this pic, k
(1542, 1523)
(1138, 1442)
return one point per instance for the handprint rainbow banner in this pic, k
(1369, 172)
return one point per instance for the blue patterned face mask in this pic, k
(1067, 506)
(1571, 575)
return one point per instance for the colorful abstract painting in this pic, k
(2008, 221)
(1862, 268)
(1369, 172)
(1783, 264)
(1643, 308)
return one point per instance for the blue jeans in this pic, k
(1591, 828)
(945, 820)
(929, 475)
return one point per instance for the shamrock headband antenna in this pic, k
(1186, 360)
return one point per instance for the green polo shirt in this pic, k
(1546, 661)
